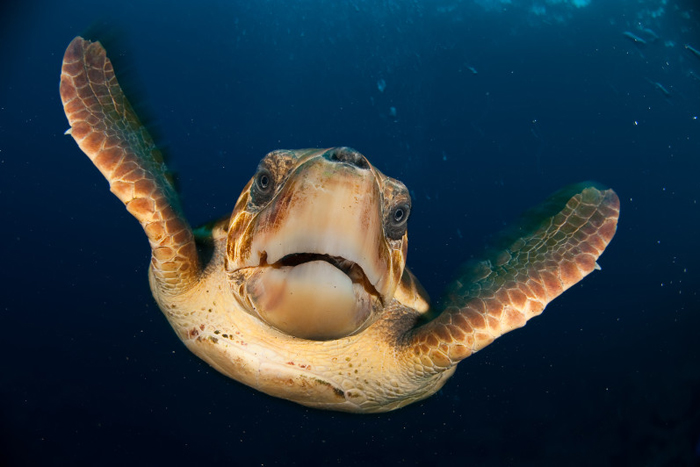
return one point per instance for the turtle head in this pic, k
(317, 242)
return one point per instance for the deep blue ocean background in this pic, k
(482, 107)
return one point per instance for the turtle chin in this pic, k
(314, 299)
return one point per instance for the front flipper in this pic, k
(556, 247)
(108, 131)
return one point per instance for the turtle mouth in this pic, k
(351, 269)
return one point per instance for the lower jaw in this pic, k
(313, 300)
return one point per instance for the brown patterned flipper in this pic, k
(107, 129)
(554, 248)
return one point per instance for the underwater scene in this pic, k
(482, 108)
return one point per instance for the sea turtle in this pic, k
(303, 293)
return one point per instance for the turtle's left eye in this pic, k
(399, 215)
(397, 219)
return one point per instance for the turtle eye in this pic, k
(397, 219)
(399, 215)
(263, 187)
(263, 180)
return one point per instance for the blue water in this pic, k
(481, 107)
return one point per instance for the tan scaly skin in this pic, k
(303, 292)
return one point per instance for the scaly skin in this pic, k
(389, 364)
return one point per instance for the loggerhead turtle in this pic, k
(302, 292)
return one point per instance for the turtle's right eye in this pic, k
(263, 180)
(263, 187)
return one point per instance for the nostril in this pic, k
(348, 156)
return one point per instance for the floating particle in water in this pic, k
(381, 85)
